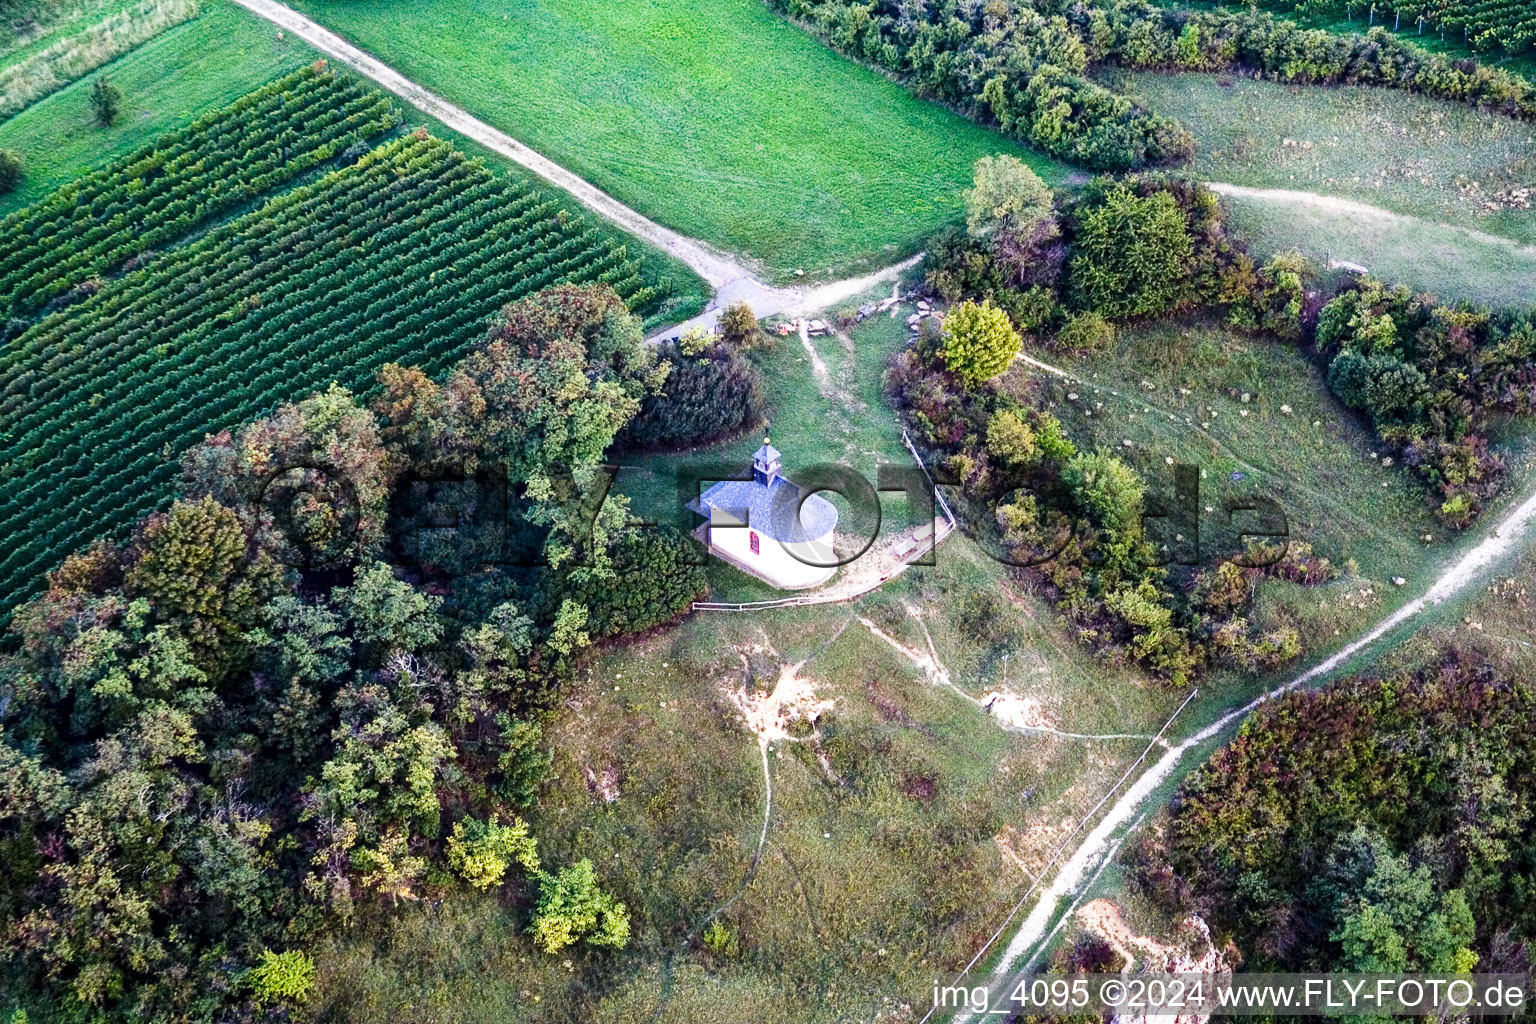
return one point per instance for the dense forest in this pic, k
(1383, 824)
(295, 694)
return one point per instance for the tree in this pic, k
(1006, 198)
(388, 615)
(738, 325)
(191, 565)
(106, 102)
(1132, 254)
(979, 342)
(10, 171)
(311, 481)
(572, 907)
(702, 400)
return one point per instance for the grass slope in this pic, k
(1452, 262)
(714, 117)
(1440, 162)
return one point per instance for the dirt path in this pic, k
(733, 280)
(715, 267)
(1354, 207)
(1500, 544)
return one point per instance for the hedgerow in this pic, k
(1022, 64)
(1138, 34)
(1071, 523)
(183, 180)
(399, 257)
(1484, 24)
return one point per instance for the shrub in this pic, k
(571, 907)
(282, 977)
(1030, 310)
(656, 578)
(1085, 332)
(106, 102)
(695, 341)
(10, 171)
(1011, 439)
(721, 940)
(482, 851)
(979, 343)
(738, 325)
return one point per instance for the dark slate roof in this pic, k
(771, 510)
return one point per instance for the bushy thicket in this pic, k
(1149, 245)
(1381, 824)
(254, 720)
(707, 397)
(1072, 523)
(1429, 376)
(1021, 64)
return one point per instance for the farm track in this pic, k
(732, 280)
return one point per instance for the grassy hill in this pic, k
(714, 117)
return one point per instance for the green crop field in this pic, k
(714, 117)
(206, 63)
(400, 256)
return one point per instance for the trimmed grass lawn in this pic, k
(714, 117)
